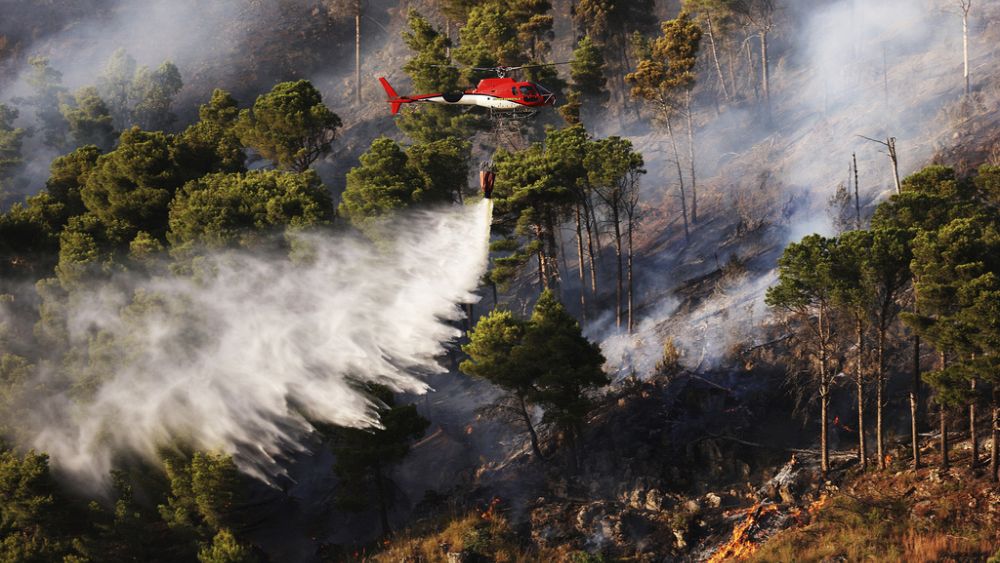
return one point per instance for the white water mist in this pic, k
(239, 361)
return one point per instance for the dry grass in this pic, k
(896, 517)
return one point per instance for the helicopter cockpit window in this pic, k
(541, 90)
(527, 91)
(513, 91)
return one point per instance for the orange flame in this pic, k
(743, 543)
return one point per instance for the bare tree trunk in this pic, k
(618, 257)
(859, 379)
(915, 402)
(879, 400)
(581, 264)
(680, 178)
(631, 300)
(590, 247)
(690, 134)
(857, 197)
(973, 436)
(532, 434)
(751, 70)
(891, 144)
(995, 434)
(357, 51)
(765, 75)
(715, 56)
(731, 55)
(966, 6)
(944, 438)
(824, 399)
(382, 500)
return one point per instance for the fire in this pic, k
(490, 509)
(888, 459)
(743, 542)
(468, 429)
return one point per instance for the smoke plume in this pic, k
(239, 359)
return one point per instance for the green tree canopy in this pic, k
(290, 125)
(89, 121)
(240, 209)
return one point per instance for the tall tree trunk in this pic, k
(765, 74)
(690, 134)
(715, 56)
(965, 45)
(591, 254)
(944, 421)
(995, 434)
(973, 436)
(915, 402)
(382, 500)
(616, 220)
(857, 196)
(751, 70)
(879, 400)
(532, 435)
(859, 379)
(631, 298)
(680, 177)
(731, 54)
(581, 264)
(357, 51)
(824, 400)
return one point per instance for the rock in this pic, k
(786, 494)
(457, 557)
(713, 500)
(654, 500)
(681, 543)
(692, 507)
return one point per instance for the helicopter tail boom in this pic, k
(394, 98)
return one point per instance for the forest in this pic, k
(247, 314)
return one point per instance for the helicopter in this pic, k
(503, 95)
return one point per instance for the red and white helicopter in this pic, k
(502, 95)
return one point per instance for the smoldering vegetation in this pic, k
(845, 70)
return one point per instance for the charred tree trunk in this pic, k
(859, 379)
(715, 56)
(973, 436)
(966, 6)
(765, 76)
(616, 221)
(751, 69)
(824, 398)
(581, 263)
(680, 178)
(591, 254)
(382, 500)
(915, 403)
(631, 297)
(857, 196)
(357, 51)
(532, 434)
(879, 397)
(944, 438)
(690, 134)
(995, 434)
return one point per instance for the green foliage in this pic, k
(364, 456)
(226, 549)
(134, 183)
(290, 126)
(89, 121)
(607, 20)
(153, 93)
(670, 70)
(33, 516)
(211, 144)
(545, 360)
(115, 86)
(46, 85)
(241, 209)
(390, 179)
(11, 140)
(489, 38)
(431, 48)
(804, 275)
(588, 74)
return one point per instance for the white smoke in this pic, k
(237, 360)
(840, 69)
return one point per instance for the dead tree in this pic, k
(890, 145)
(965, 6)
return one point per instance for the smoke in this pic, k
(839, 70)
(241, 356)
